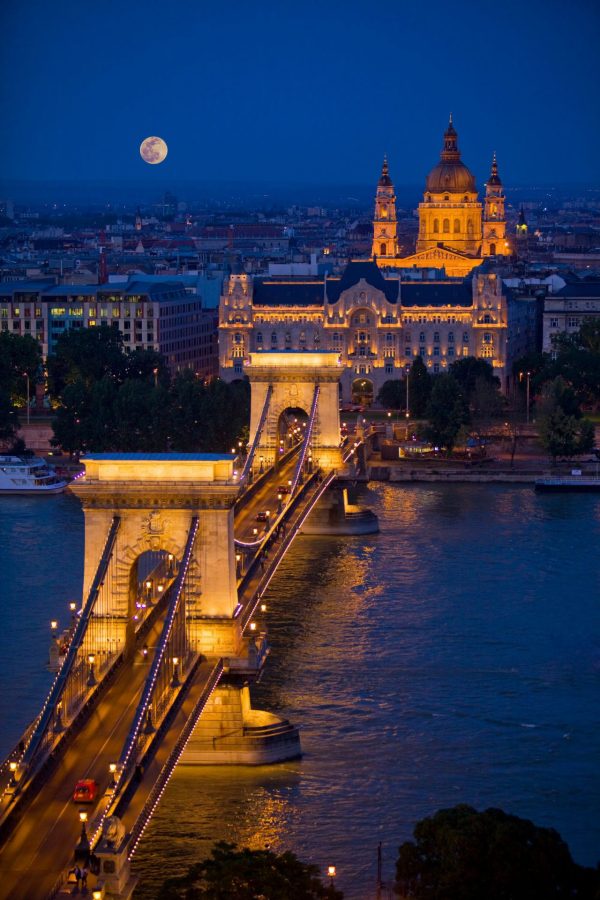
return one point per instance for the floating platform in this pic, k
(571, 483)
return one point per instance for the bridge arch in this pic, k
(286, 380)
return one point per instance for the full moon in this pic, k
(153, 150)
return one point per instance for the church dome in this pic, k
(450, 174)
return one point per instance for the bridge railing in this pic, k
(307, 440)
(172, 760)
(256, 441)
(164, 672)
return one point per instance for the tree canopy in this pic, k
(446, 412)
(462, 854)
(234, 874)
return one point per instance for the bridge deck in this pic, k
(43, 841)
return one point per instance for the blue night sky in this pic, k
(307, 92)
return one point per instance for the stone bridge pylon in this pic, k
(293, 377)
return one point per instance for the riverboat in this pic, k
(583, 483)
(29, 475)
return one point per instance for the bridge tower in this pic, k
(155, 496)
(293, 376)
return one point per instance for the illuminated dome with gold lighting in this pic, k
(450, 174)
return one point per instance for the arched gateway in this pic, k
(155, 496)
(290, 379)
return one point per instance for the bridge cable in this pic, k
(60, 681)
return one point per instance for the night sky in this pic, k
(299, 92)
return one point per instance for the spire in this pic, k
(450, 150)
(494, 177)
(385, 180)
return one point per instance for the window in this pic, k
(553, 323)
(450, 337)
(446, 197)
(446, 227)
(259, 337)
(407, 351)
(237, 338)
(572, 322)
(436, 226)
(288, 339)
(383, 249)
(421, 351)
(389, 338)
(488, 351)
(273, 338)
(487, 319)
(465, 337)
(389, 368)
(422, 336)
(436, 337)
(450, 351)
(436, 351)
(456, 226)
(436, 368)
(470, 228)
(487, 337)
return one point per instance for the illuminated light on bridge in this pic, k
(191, 509)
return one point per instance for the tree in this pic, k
(462, 854)
(9, 422)
(233, 874)
(20, 356)
(446, 412)
(86, 353)
(392, 394)
(419, 385)
(469, 370)
(562, 430)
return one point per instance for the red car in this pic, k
(86, 791)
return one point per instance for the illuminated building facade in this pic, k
(456, 231)
(377, 324)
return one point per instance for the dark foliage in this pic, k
(233, 874)
(462, 854)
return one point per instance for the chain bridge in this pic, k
(179, 549)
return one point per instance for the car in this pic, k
(284, 489)
(86, 791)
(261, 517)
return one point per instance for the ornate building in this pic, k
(377, 324)
(455, 231)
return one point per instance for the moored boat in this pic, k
(29, 475)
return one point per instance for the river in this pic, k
(455, 657)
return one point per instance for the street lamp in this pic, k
(171, 569)
(112, 769)
(26, 376)
(528, 377)
(82, 848)
(331, 872)
(13, 774)
(279, 499)
(160, 589)
(262, 465)
(175, 682)
(149, 591)
(91, 680)
(73, 608)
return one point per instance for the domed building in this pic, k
(456, 232)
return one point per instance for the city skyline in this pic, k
(298, 95)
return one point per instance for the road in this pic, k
(43, 841)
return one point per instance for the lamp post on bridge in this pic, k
(175, 682)
(82, 848)
(91, 679)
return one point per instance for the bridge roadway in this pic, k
(43, 840)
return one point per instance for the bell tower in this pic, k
(494, 219)
(385, 225)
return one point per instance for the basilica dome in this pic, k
(450, 174)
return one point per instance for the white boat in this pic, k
(28, 475)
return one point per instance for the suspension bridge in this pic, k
(179, 550)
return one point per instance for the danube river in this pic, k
(455, 657)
